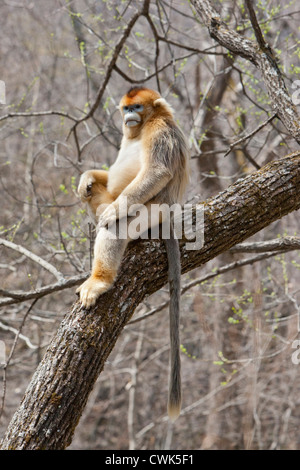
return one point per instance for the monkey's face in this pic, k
(137, 107)
(133, 114)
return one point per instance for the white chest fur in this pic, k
(126, 166)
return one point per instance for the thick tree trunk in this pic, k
(59, 389)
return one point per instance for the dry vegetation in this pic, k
(65, 65)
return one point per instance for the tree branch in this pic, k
(261, 56)
(118, 47)
(249, 135)
(278, 245)
(267, 249)
(60, 387)
(38, 113)
(21, 296)
(18, 334)
(37, 259)
(258, 34)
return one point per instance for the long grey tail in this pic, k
(173, 253)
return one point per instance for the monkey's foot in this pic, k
(90, 290)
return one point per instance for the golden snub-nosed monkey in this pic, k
(152, 167)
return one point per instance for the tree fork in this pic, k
(59, 389)
(261, 55)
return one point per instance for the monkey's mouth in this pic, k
(132, 120)
(132, 123)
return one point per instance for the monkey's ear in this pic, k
(162, 102)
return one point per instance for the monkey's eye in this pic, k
(138, 107)
(125, 108)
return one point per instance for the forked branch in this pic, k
(261, 55)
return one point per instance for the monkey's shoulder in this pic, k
(166, 132)
(168, 142)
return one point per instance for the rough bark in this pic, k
(59, 389)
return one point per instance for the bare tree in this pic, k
(231, 94)
(58, 392)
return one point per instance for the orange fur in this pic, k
(99, 196)
(103, 273)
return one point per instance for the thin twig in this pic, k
(161, 69)
(274, 248)
(38, 113)
(132, 390)
(21, 296)
(251, 134)
(257, 31)
(37, 259)
(10, 356)
(5, 327)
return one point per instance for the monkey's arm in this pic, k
(145, 186)
(87, 179)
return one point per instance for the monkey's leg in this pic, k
(108, 254)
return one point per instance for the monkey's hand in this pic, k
(115, 211)
(90, 290)
(108, 217)
(85, 186)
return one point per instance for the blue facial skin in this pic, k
(131, 116)
(134, 107)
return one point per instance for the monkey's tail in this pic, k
(174, 266)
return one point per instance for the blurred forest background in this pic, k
(240, 385)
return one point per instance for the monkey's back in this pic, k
(169, 146)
